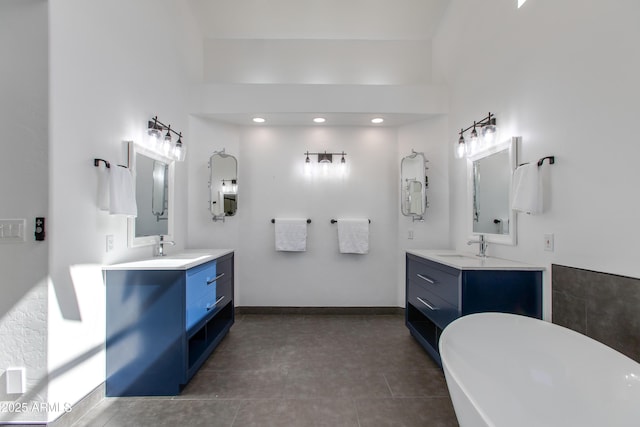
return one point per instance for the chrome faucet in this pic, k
(482, 248)
(161, 244)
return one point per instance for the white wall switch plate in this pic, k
(110, 239)
(548, 242)
(12, 230)
(16, 380)
(410, 235)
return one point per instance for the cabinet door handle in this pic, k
(210, 306)
(214, 279)
(431, 307)
(433, 282)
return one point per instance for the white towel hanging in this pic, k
(353, 236)
(103, 188)
(291, 234)
(527, 189)
(122, 199)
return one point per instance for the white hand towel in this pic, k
(527, 190)
(218, 207)
(415, 195)
(122, 199)
(353, 236)
(103, 188)
(291, 234)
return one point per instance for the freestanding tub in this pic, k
(506, 370)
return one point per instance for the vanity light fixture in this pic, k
(487, 136)
(319, 120)
(324, 157)
(259, 120)
(166, 146)
(377, 120)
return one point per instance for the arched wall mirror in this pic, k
(223, 185)
(153, 178)
(489, 183)
(413, 186)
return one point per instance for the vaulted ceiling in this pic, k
(292, 44)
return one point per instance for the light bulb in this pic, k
(307, 165)
(472, 146)
(460, 150)
(460, 146)
(489, 132)
(343, 166)
(179, 151)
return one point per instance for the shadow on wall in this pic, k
(601, 306)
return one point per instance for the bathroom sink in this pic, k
(178, 261)
(456, 256)
(185, 255)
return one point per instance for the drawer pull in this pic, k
(210, 306)
(214, 279)
(431, 307)
(433, 282)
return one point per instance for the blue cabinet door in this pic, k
(145, 333)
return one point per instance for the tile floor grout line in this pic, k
(388, 386)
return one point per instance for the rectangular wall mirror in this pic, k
(489, 188)
(153, 177)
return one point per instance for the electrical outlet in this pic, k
(548, 242)
(109, 242)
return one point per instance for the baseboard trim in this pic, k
(353, 311)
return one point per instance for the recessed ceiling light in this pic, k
(259, 120)
(377, 120)
(319, 120)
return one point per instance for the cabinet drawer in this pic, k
(435, 308)
(224, 268)
(199, 281)
(439, 282)
(201, 306)
(224, 292)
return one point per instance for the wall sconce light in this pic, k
(487, 136)
(324, 157)
(325, 160)
(165, 145)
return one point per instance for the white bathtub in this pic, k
(506, 370)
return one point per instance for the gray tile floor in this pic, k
(301, 370)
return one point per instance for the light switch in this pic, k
(15, 380)
(12, 230)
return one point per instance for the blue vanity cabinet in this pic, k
(437, 294)
(161, 325)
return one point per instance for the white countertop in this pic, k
(180, 261)
(469, 261)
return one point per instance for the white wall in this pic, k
(272, 184)
(114, 65)
(562, 76)
(259, 61)
(24, 195)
